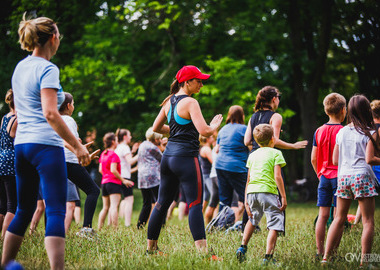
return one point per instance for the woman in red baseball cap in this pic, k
(180, 164)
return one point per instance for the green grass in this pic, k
(124, 248)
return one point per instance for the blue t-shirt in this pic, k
(233, 154)
(30, 76)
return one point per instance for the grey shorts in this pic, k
(270, 204)
(72, 192)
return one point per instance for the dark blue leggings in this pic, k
(187, 172)
(39, 164)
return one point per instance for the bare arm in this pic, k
(115, 172)
(276, 122)
(248, 135)
(159, 124)
(280, 185)
(49, 108)
(370, 156)
(131, 160)
(100, 169)
(249, 213)
(200, 123)
(335, 157)
(314, 158)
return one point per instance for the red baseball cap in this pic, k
(190, 72)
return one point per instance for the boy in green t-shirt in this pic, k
(261, 194)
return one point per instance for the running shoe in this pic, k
(240, 254)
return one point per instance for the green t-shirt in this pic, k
(261, 165)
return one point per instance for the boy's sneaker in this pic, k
(88, 233)
(273, 262)
(240, 254)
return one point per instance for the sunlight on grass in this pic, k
(124, 248)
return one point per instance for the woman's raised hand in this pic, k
(300, 144)
(216, 121)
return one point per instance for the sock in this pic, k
(268, 256)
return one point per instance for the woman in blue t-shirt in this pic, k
(39, 156)
(232, 157)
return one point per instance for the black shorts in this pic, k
(110, 188)
(127, 191)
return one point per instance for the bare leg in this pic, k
(11, 246)
(151, 245)
(122, 208)
(128, 209)
(170, 211)
(358, 215)
(114, 204)
(181, 210)
(55, 248)
(8, 219)
(336, 229)
(1, 221)
(320, 228)
(37, 216)
(70, 207)
(204, 205)
(209, 213)
(238, 211)
(77, 213)
(248, 231)
(271, 241)
(103, 213)
(368, 211)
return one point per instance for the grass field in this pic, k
(125, 248)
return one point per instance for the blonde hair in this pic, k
(375, 106)
(334, 103)
(150, 135)
(263, 133)
(9, 99)
(35, 32)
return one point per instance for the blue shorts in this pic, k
(326, 190)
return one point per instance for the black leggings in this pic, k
(176, 170)
(8, 194)
(80, 177)
(150, 196)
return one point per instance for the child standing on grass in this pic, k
(354, 153)
(109, 167)
(264, 177)
(321, 159)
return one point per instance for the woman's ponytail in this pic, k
(174, 88)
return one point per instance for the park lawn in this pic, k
(124, 248)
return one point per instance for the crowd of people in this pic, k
(183, 160)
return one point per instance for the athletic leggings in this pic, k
(187, 172)
(39, 164)
(8, 194)
(149, 197)
(80, 177)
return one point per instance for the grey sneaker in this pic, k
(88, 233)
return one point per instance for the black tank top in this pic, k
(259, 117)
(205, 164)
(184, 137)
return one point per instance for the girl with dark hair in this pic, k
(78, 175)
(8, 196)
(354, 153)
(40, 158)
(267, 101)
(180, 164)
(109, 167)
(232, 157)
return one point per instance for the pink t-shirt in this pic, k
(106, 158)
